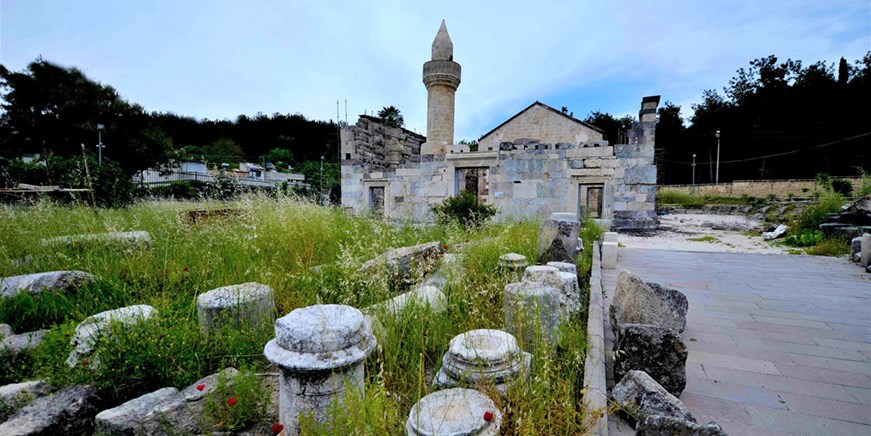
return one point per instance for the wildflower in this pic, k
(445, 247)
(85, 362)
(201, 387)
(232, 401)
(185, 269)
(276, 428)
(488, 416)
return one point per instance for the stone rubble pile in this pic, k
(647, 322)
(69, 411)
(852, 221)
(558, 238)
(656, 411)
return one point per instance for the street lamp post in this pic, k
(717, 177)
(694, 173)
(100, 128)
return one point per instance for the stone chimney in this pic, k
(441, 76)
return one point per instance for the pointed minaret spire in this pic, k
(442, 47)
(441, 76)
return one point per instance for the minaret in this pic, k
(441, 76)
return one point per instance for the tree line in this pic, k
(775, 120)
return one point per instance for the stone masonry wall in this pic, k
(635, 185)
(527, 179)
(758, 188)
(542, 125)
(370, 142)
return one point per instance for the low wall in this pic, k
(756, 188)
(596, 396)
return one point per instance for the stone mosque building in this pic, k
(537, 162)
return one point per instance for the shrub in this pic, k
(815, 214)
(823, 180)
(843, 187)
(463, 209)
(864, 185)
(804, 238)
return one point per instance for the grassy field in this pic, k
(275, 242)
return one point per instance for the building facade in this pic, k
(536, 163)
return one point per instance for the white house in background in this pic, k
(248, 174)
(194, 167)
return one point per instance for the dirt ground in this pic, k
(708, 233)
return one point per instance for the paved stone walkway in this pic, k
(778, 344)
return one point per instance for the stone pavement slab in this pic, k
(778, 344)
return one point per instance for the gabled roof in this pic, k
(538, 103)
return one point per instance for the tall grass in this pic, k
(276, 241)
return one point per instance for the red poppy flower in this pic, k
(276, 428)
(201, 387)
(488, 416)
(185, 269)
(85, 363)
(445, 247)
(232, 401)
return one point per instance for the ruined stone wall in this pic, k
(527, 179)
(635, 186)
(542, 125)
(758, 188)
(372, 143)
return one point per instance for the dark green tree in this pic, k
(223, 150)
(612, 126)
(391, 116)
(50, 109)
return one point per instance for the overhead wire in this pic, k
(770, 155)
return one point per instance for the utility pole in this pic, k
(717, 177)
(100, 128)
(694, 173)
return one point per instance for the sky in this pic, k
(218, 59)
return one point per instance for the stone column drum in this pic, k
(513, 265)
(531, 311)
(320, 351)
(454, 412)
(246, 304)
(483, 356)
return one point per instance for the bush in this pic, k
(843, 187)
(463, 209)
(815, 214)
(823, 180)
(804, 238)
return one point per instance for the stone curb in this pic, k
(596, 397)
